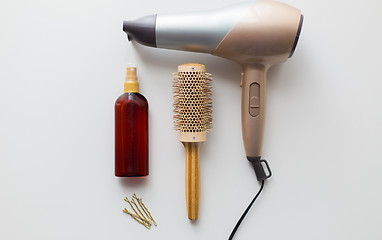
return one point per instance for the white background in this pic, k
(62, 66)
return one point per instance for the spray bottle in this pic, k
(131, 130)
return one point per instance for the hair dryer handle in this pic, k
(253, 101)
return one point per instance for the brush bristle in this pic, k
(192, 101)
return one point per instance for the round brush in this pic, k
(192, 119)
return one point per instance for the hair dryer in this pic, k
(255, 34)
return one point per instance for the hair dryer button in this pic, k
(254, 99)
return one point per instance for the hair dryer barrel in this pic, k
(256, 31)
(194, 31)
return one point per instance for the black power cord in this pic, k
(246, 211)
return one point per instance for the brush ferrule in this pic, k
(192, 136)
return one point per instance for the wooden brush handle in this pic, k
(192, 179)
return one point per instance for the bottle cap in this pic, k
(131, 83)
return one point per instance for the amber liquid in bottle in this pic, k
(131, 134)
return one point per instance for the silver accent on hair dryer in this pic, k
(198, 31)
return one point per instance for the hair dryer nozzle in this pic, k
(142, 30)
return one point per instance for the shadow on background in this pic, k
(221, 68)
(133, 182)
